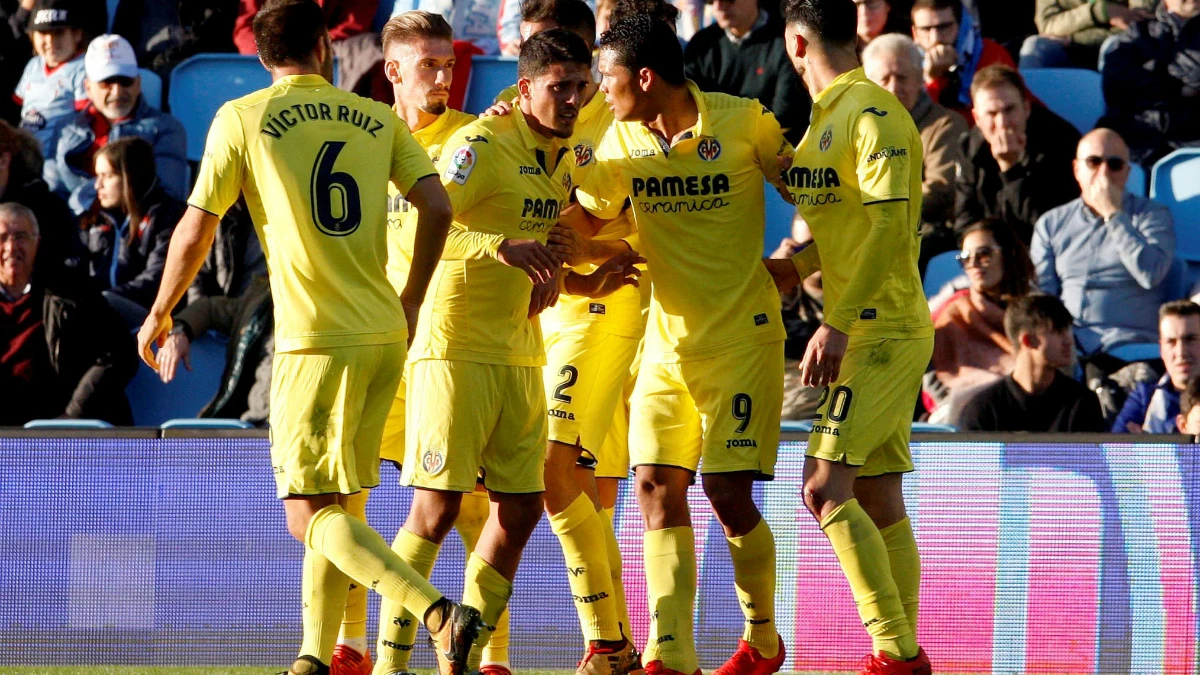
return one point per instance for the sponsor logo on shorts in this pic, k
(822, 429)
(596, 308)
(433, 461)
(741, 443)
(562, 415)
(760, 319)
(867, 314)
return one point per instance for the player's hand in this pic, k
(177, 348)
(938, 61)
(784, 273)
(411, 311)
(823, 358)
(544, 295)
(154, 333)
(610, 277)
(498, 109)
(530, 255)
(570, 246)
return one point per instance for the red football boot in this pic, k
(494, 669)
(347, 661)
(657, 668)
(882, 664)
(748, 661)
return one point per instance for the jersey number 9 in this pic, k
(333, 195)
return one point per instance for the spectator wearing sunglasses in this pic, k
(970, 348)
(1106, 254)
(116, 110)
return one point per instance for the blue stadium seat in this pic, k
(1137, 180)
(1175, 183)
(779, 219)
(1075, 94)
(1138, 351)
(112, 11)
(68, 424)
(801, 426)
(151, 87)
(203, 83)
(942, 269)
(930, 428)
(489, 76)
(154, 402)
(205, 423)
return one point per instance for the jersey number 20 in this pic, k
(333, 195)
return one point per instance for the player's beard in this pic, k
(434, 108)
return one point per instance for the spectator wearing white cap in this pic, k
(116, 109)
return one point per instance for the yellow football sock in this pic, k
(323, 591)
(906, 566)
(472, 516)
(753, 557)
(488, 591)
(670, 558)
(581, 534)
(496, 650)
(397, 627)
(364, 556)
(615, 569)
(863, 556)
(354, 620)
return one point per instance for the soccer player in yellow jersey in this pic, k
(856, 180)
(313, 163)
(590, 348)
(708, 392)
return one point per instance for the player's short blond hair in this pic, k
(415, 25)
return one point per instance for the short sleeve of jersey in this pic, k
(883, 152)
(601, 191)
(466, 170)
(771, 147)
(410, 163)
(22, 91)
(223, 167)
(508, 94)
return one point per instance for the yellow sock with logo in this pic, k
(364, 556)
(864, 560)
(906, 566)
(323, 591)
(670, 558)
(488, 591)
(615, 569)
(398, 627)
(753, 557)
(581, 533)
(353, 632)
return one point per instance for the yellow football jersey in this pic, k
(402, 216)
(863, 148)
(698, 208)
(505, 182)
(313, 162)
(621, 312)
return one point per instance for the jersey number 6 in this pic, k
(336, 210)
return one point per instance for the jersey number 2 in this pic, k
(336, 209)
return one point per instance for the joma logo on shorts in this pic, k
(741, 443)
(822, 429)
(562, 414)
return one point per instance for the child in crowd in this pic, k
(51, 88)
(1188, 419)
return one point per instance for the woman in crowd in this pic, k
(129, 227)
(970, 348)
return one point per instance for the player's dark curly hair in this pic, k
(549, 47)
(645, 42)
(573, 15)
(287, 32)
(658, 9)
(836, 21)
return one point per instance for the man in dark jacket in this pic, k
(1016, 162)
(62, 354)
(743, 54)
(245, 389)
(1152, 82)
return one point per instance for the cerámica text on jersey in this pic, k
(278, 124)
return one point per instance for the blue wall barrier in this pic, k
(1038, 557)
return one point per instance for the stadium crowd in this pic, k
(1064, 262)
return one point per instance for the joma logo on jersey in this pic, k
(540, 208)
(709, 149)
(638, 153)
(583, 154)
(888, 153)
(681, 186)
(804, 177)
(530, 170)
(741, 443)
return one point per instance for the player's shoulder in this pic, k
(728, 104)
(869, 101)
(488, 132)
(457, 119)
(507, 94)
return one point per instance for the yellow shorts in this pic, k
(328, 408)
(464, 418)
(720, 414)
(865, 418)
(613, 459)
(392, 447)
(585, 378)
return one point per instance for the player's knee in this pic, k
(662, 503)
(819, 497)
(432, 519)
(297, 524)
(519, 514)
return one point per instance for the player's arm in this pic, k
(772, 152)
(789, 272)
(599, 199)
(571, 238)
(218, 183)
(613, 275)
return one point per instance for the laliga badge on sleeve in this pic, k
(462, 163)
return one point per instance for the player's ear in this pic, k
(525, 87)
(1181, 424)
(645, 78)
(391, 70)
(1029, 340)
